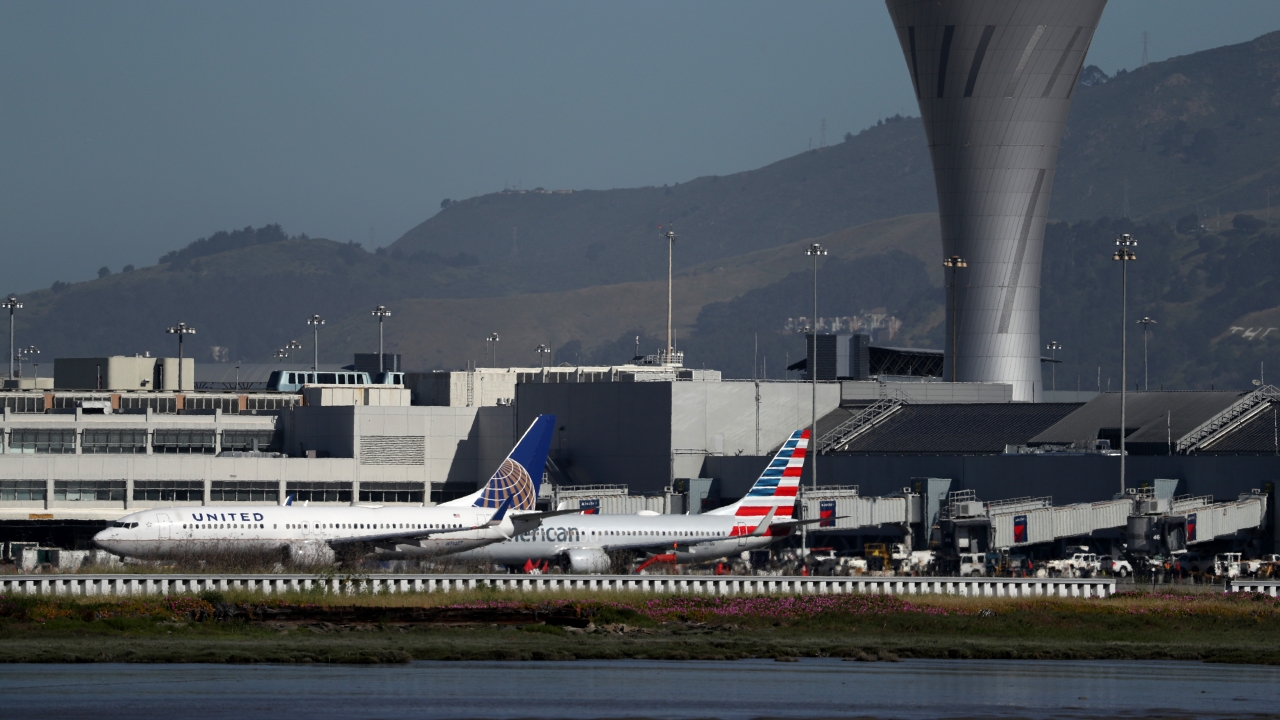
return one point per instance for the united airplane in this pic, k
(498, 511)
(584, 541)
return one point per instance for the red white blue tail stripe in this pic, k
(777, 485)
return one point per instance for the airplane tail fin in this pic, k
(519, 477)
(775, 490)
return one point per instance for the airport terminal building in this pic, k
(75, 459)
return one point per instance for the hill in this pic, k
(1198, 133)
(562, 240)
(1196, 137)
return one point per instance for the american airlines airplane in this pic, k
(584, 541)
(498, 511)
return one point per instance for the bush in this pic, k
(1247, 223)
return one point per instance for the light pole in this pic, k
(955, 262)
(1145, 323)
(315, 321)
(1053, 347)
(1124, 254)
(815, 251)
(181, 330)
(542, 351)
(493, 349)
(381, 312)
(24, 354)
(668, 357)
(281, 354)
(12, 303)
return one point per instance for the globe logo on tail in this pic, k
(513, 481)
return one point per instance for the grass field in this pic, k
(488, 626)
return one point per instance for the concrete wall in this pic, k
(453, 444)
(122, 372)
(645, 434)
(606, 433)
(489, 387)
(747, 418)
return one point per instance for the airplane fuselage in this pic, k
(690, 537)
(187, 531)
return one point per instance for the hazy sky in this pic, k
(132, 128)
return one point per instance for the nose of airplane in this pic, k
(105, 539)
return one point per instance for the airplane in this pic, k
(583, 541)
(499, 510)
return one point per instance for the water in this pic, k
(643, 689)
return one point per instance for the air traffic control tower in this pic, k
(994, 79)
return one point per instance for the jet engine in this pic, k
(591, 561)
(311, 552)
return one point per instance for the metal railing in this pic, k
(271, 584)
(871, 416)
(1220, 425)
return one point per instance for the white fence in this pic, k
(90, 585)
(1268, 587)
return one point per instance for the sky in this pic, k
(128, 129)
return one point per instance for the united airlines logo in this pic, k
(226, 517)
(511, 481)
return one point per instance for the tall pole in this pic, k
(381, 312)
(955, 262)
(1053, 348)
(1124, 254)
(1145, 322)
(181, 330)
(815, 250)
(12, 303)
(671, 245)
(493, 343)
(315, 321)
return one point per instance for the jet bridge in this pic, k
(1154, 522)
(841, 507)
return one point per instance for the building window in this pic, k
(169, 490)
(42, 441)
(71, 402)
(279, 402)
(391, 492)
(192, 442)
(23, 490)
(319, 491)
(23, 403)
(245, 440)
(233, 491)
(113, 442)
(228, 404)
(130, 403)
(86, 490)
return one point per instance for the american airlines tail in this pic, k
(519, 477)
(777, 486)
